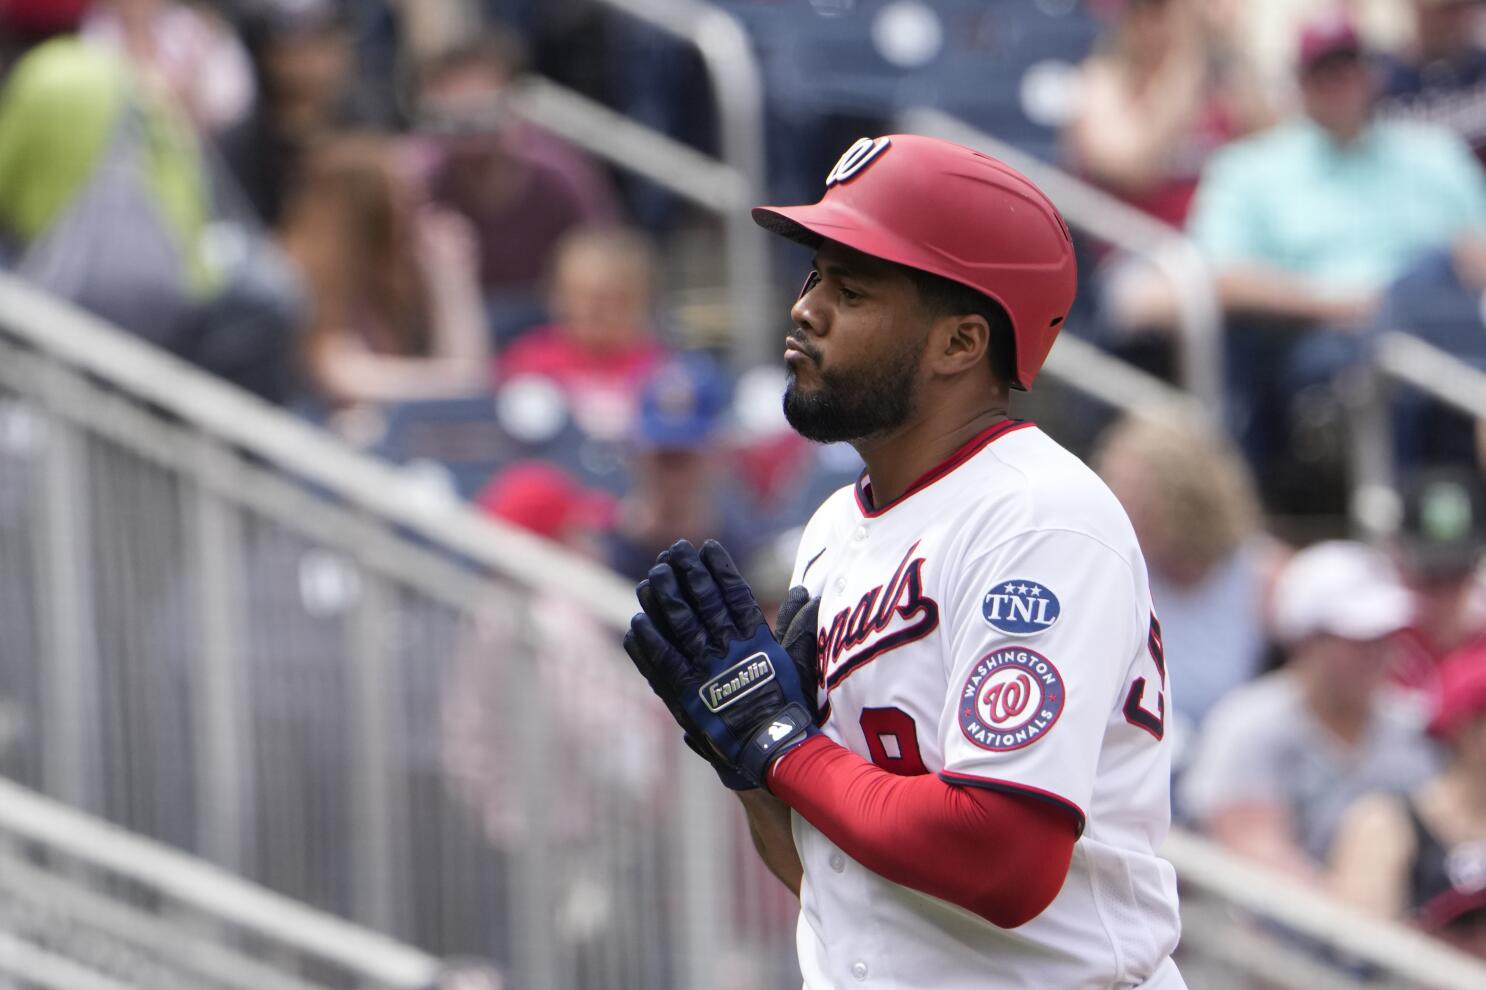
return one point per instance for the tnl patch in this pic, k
(1020, 608)
(1011, 699)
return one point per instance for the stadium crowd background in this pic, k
(328, 205)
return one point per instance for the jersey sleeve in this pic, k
(1045, 628)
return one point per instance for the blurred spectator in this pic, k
(1421, 857)
(185, 50)
(1192, 502)
(1439, 552)
(1308, 225)
(1280, 759)
(1163, 90)
(678, 481)
(431, 26)
(600, 347)
(1441, 77)
(91, 159)
(397, 311)
(1269, 29)
(521, 188)
(302, 61)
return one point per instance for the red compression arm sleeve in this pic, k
(1002, 856)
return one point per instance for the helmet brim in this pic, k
(828, 221)
(809, 225)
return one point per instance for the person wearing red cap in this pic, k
(956, 752)
(544, 499)
(1422, 857)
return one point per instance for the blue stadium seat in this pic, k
(467, 438)
(831, 65)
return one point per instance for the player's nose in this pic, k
(807, 312)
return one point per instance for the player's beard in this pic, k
(854, 404)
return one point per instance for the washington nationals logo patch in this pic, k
(1020, 608)
(1011, 699)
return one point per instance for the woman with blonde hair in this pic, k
(1192, 502)
(393, 282)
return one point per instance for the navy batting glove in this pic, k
(721, 664)
(646, 661)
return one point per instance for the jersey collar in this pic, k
(967, 451)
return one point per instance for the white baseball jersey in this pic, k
(993, 625)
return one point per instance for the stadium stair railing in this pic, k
(85, 905)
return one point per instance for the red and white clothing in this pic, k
(602, 386)
(993, 626)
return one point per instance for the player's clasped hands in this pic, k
(741, 696)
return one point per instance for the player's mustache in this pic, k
(797, 338)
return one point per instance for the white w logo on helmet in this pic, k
(857, 157)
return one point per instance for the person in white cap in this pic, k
(1280, 759)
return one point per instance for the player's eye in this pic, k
(811, 281)
(848, 295)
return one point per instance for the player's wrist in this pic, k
(783, 767)
(731, 777)
(775, 736)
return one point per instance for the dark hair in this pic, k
(945, 297)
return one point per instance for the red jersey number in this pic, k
(1135, 711)
(892, 739)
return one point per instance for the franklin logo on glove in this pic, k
(736, 681)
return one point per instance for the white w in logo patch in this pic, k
(779, 730)
(857, 157)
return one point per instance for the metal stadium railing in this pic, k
(223, 629)
(1400, 360)
(84, 904)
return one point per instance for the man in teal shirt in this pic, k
(1313, 227)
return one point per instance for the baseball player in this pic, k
(955, 752)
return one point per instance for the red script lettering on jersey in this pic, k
(873, 626)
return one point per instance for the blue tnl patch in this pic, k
(1020, 608)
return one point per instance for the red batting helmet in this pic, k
(954, 212)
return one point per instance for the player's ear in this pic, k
(959, 343)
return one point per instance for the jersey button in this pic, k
(859, 970)
(840, 584)
(838, 862)
(860, 534)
